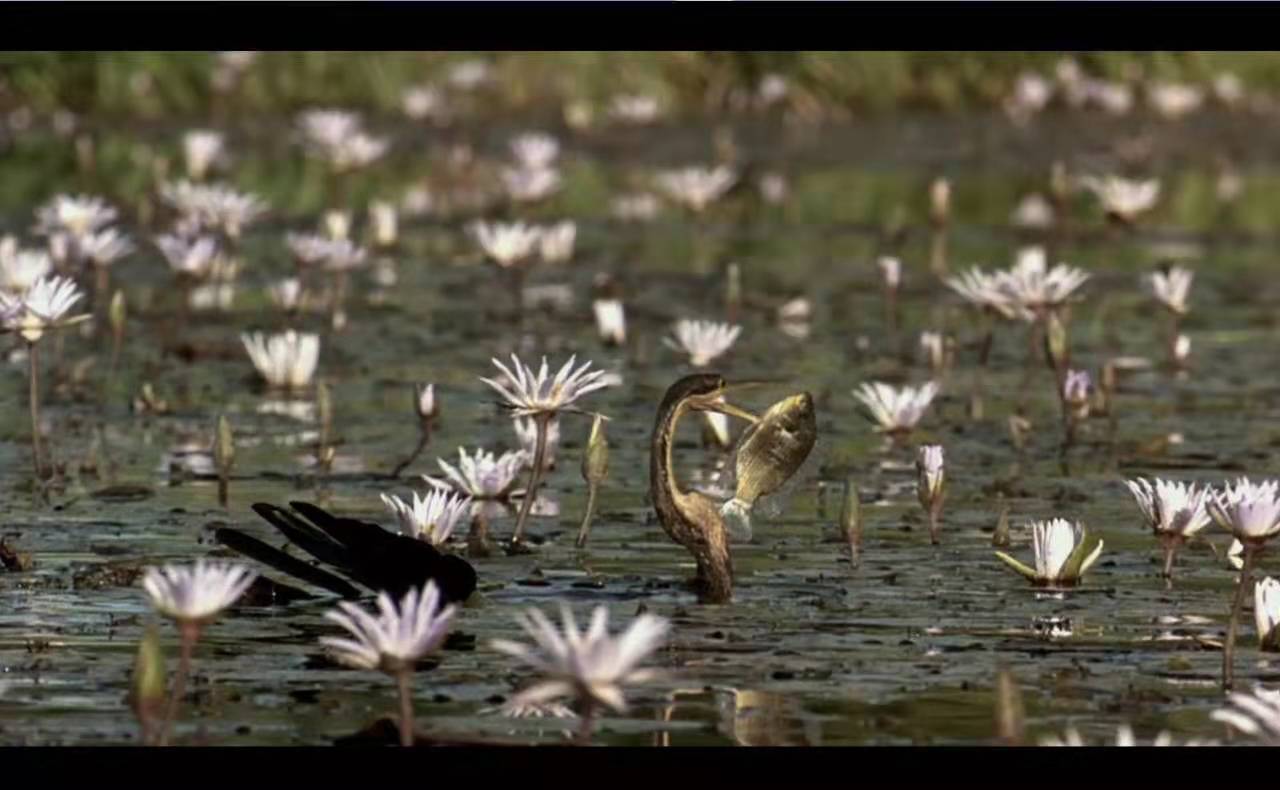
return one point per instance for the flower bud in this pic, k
(930, 476)
(424, 402)
(851, 519)
(1056, 342)
(940, 201)
(224, 446)
(116, 313)
(382, 216)
(890, 271)
(337, 224)
(595, 461)
(1019, 430)
(147, 691)
(1000, 537)
(1076, 392)
(611, 321)
(733, 288)
(1182, 350)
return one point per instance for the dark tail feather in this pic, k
(274, 558)
(306, 537)
(353, 535)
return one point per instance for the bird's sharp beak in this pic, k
(725, 407)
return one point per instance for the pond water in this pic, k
(902, 649)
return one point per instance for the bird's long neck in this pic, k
(691, 520)
(661, 468)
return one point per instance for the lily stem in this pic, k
(535, 476)
(403, 678)
(1228, 650)
(588, 722)
(424, 436)
(190, 634)
(585, 529)
(33, 358)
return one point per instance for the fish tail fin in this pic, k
(737, 518)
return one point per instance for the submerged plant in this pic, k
(1062, 554)
(593, 667)
(394, 640)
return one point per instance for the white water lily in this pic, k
(1033, 287)
(529, 185)
(640, 207)
(432, 517)
(611, 320)
(527, 394)
(507, 243)
(1256, 714)
(592, 666)
(287, 294)
(1060, 552)
(1172, 287)
(214, 206)
(983, 291)
(383, 220)
(285, 360)
(1124, 737)
(190, 257)
(896, 410)
(556, 242)
(697, 187)
(1123, 198)
(76, 215)
(1174, 100)
(702, 341)
(1266, 613)
(1250, 511)
(1172, 507)
(202, 149)
(422, 101)
(890, 271)
(535, 150)
(104, 247)
(481, 474)
(21, 268)
(44, 306)
(196, 593)
(634, 108)
(398, 636)
(930, 473)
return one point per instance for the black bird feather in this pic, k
(359, 550)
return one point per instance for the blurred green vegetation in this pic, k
(169, 83)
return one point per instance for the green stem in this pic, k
(535, 476)
(406, 707)
(33, 359)
(588, 722)
(190, 633)
(585, 529)
(1228, 650)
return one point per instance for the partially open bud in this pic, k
(940, 201)
(1266, 611)
(337, 224)
(935, 349)
(424, 402)
(147, 691)
(1182, 351)
(891, 272)
(1019, 430)
(1056, 342)
(116, 314)
(1076, 393)
(931, 484)
(595, 461)
(224, 447)
(1059, 182)
(930, 476)
(611, 321)
(382, 216)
